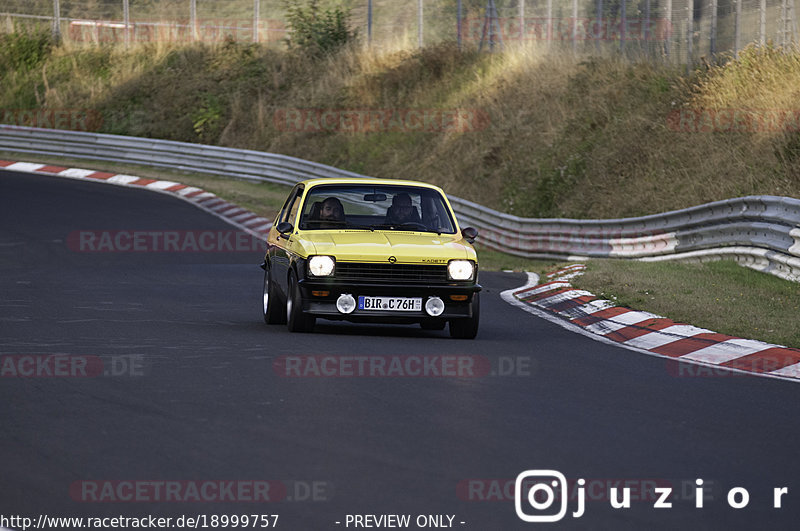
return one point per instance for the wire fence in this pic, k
(676, 31)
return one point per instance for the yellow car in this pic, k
(370, 250)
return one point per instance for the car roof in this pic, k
(309, 183)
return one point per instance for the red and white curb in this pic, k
(235, 215)
(558, 301)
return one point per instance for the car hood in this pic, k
(379, 246)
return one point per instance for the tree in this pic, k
(317, 30)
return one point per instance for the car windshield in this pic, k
(385, 207)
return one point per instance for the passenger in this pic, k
(401, 211)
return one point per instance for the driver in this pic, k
(401, 211)
(331, 210)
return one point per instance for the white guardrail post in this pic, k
(762, 232)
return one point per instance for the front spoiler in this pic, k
(325, 306)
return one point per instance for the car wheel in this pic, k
(467, 328)
(433, 325)
(272, 309)
(295, 319)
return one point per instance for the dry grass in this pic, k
(565, 137)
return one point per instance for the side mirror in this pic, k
(285, 228)
(470, 234)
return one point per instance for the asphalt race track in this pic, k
(190, 392)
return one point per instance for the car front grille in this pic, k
(391, 273)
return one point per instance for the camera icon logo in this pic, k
(534, 496)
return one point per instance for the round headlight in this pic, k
(321, 266)
(460, 269)
(345, 303)
(434, 306)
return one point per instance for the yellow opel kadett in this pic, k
(370, 250)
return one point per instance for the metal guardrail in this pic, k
(762, 232)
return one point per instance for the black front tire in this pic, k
(295, 319)
(273, 310)
(467, 328)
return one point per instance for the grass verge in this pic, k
(721, 296)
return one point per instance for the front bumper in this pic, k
(324, 306)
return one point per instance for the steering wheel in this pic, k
(415, 224)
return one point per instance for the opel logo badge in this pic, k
(392, 259)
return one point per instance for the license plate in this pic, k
(392, 304)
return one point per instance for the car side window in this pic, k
(282, 212)
(290, 208)
(292, 213)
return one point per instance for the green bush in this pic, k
(317, 30)
(23, 50)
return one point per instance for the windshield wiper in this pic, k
(413, 226)
(360, 227)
